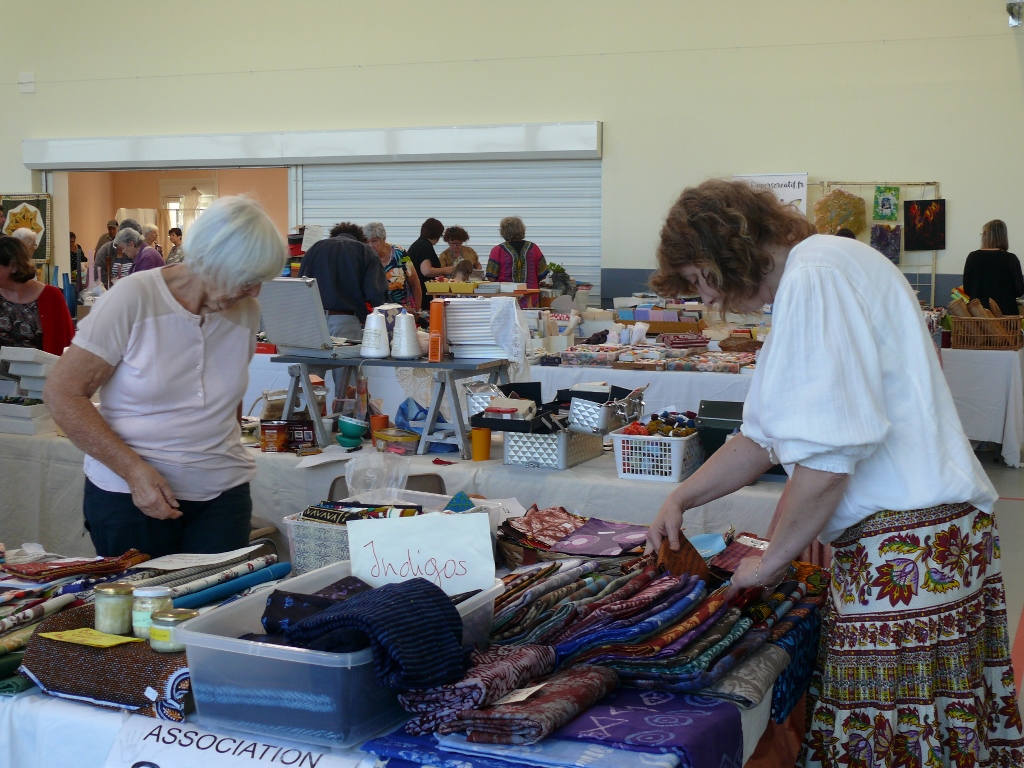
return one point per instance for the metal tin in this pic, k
(274, 436)
(559, 450)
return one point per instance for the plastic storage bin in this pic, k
(667, 459)
(330, 699)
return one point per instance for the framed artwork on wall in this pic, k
(924, 222)
(30, 212)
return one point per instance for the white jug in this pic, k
(405, 345)
(375, 336)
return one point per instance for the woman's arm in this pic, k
(429, 270)
(415, 289)
(810, 499)
(736, 464)
(74, 379)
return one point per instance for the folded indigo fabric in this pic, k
(556, 753)
(495, 673)
(402, 750)
(413, 628)
(287, 608)
(526, 722)
(656, 721)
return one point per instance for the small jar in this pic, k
(113, 608)
(148, 600)
(162, 629)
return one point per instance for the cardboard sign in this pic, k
(451, 551)
(144, 742)
(311, 235)
(186, 560)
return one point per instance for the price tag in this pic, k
(521, 694)
(90, 637)
(144, 742)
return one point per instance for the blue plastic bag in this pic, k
(411, 411)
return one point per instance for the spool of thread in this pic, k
(437, 334)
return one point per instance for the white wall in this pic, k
(872, 90)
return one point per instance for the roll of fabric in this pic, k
(234, 586)
(526, 722)
(413, 628)
(37, 612)
(227, 575)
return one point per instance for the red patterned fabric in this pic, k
(526, 722)
(547, 526)
(495, 673)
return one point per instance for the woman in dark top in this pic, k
(424, 258)
(993, 272)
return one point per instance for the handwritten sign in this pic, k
(90, 637)
(144, 742)
(451, 551)
(312, 234)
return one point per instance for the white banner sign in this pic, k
(144, 742)
(450, 551)
(790, 188)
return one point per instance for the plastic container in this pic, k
(330, 699)
(433, 286)
(656, 457)
(398, 441)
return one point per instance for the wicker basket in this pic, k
(987, 333)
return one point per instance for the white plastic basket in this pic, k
(656, 457)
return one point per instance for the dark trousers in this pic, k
(116, 525)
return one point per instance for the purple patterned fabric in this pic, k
(658, 721)
(601, 537)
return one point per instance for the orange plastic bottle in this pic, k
(437, 335)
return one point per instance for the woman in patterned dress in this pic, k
(516, 260)
(849, 396)
(403, 283)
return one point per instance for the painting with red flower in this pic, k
(925, 225)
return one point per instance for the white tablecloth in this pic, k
(41, 482)
(988, 389)
(680, 389)
(37, 731)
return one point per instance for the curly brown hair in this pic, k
(348, 228)
(456, 233)
(724, 229)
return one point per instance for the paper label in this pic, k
(755, 543)
(312, 234)
(144, 742)
(90, 637)
(519, 695)
(160, 634)
(141, 619)
(451, 551)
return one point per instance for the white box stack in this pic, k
(31, 367)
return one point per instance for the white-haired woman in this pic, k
(150, 233)
(165, 469)
(403, 282)
(130, 244)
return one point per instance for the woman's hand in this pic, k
(151, 493)
(754, 572)
(667, 524)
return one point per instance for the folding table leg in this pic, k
(456, 406)
(293, 391)
(432, 412)
(322, 438)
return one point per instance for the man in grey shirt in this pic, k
(349, 275)
(105, 254)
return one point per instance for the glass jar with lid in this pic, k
(148, 600)
(162, 629)
(113, 608)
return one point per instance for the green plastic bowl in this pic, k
(350, 427)
(348, 442)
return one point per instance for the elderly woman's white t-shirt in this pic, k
(178, 381)
(849, 382)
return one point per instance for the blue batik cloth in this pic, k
(401, 749)
(801, 643)
(412, 627)
(558, 753)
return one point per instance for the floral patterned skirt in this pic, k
(915, 661)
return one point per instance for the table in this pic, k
(988, 390)
(682, 390)
(446, 373)
(41, 484)
(37, 730)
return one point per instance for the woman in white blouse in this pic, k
(849, 397)
(165, 468)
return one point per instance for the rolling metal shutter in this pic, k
(559, 201)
